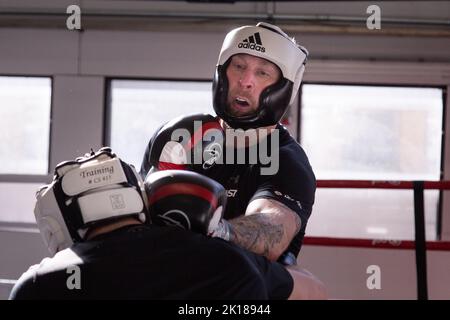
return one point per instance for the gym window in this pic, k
(372, 133)
(25, 104)
(139, 107)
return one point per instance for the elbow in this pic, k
(271, 256)
(275, 253)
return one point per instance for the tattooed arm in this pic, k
(266, 229)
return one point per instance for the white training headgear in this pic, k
(96, 188)
(271, 43)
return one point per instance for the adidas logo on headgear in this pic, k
(253, 42)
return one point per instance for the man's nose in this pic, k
(247, 80)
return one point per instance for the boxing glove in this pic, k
(185, 199)
(185, 143)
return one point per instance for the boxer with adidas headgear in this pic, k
(257, 77)
(95, 222)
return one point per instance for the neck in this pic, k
(96, 231)
(246, 138)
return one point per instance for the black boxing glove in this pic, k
(185, 143)
(185, 199)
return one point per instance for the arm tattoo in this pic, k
(283, 207)
(263, 229)
(256, 233)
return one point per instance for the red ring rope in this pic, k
(367, 184)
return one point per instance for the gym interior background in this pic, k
(372, 107)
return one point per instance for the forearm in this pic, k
(259, 233)
(267, 228)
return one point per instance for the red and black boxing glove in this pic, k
(192, 142)
(185, 199)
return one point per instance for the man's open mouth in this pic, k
(241, 102)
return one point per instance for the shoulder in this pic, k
(181, 129)
(292, 174)
(293, 159)
(24, 288)
(45, 280)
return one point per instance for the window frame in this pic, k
(34, 178)
(108, 97)
(445, 99)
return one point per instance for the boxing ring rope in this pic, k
(418, 187)
(367, 184)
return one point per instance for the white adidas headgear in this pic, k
(96, 188)
(271, 43)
